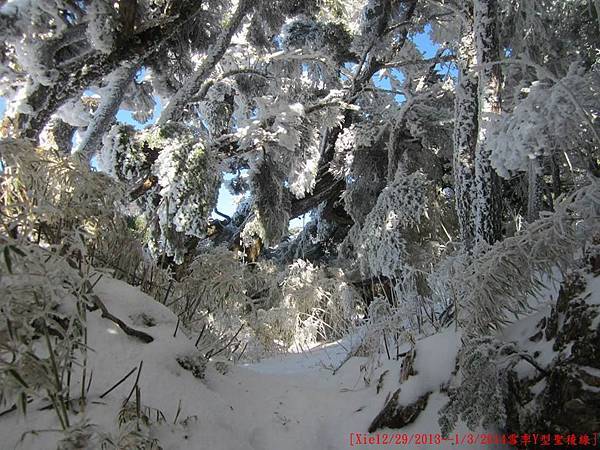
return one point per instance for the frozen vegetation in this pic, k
(270, 225)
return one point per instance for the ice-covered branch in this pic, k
(43, 101)
(174, 110)
(112, 97)
(209, 83)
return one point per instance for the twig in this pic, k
(144, 337)
(137, 379)
(177, 326)
(168, 291)
(200, 335)
(178, 412)
(118, 383)
(386, 346)
(242, 352)
(228, 343)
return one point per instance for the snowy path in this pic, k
(285, 403)
(292, 402)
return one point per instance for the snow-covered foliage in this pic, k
(340, 111)
(325, 38)
(43, 315)
(500, 280)
(185, 184)
(102, 25)
(479, 401)
(61, 194)
(119, 157)
(46, 281)
(555, 117)
(322, 306)
(272, 204)
(400, 207)
(270, 309)
(291, 143)
(365, 168)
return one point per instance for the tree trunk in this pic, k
(534, 192)
(487, 183)
(465, 136)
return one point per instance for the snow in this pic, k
(592, 291)
(435, 361)
(287, 402)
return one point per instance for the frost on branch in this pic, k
(400, 206)
(329, 39)
(272, 203)
(480, 398)
(102, 25)
(110, 100)
(366, 166)
(187, 188)
(291, 140)
(504, 278)
(187, 180)
(316, 306)
(121, 156)
(554, 117)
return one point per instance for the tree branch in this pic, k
(105, 114)
(174, 109)
(73, 78)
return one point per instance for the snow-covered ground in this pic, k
(289, 402)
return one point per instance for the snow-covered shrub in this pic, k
(446, 287)
(220, 298)
(387, 323)
(257, 305)
(399, 208)
(135, 428)
(499, 281)
(53, 207)
(555, 117)
(46, 195)
(317, 305)
(80, 436)
(215, 288)
(479, 400)
(42, 309)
